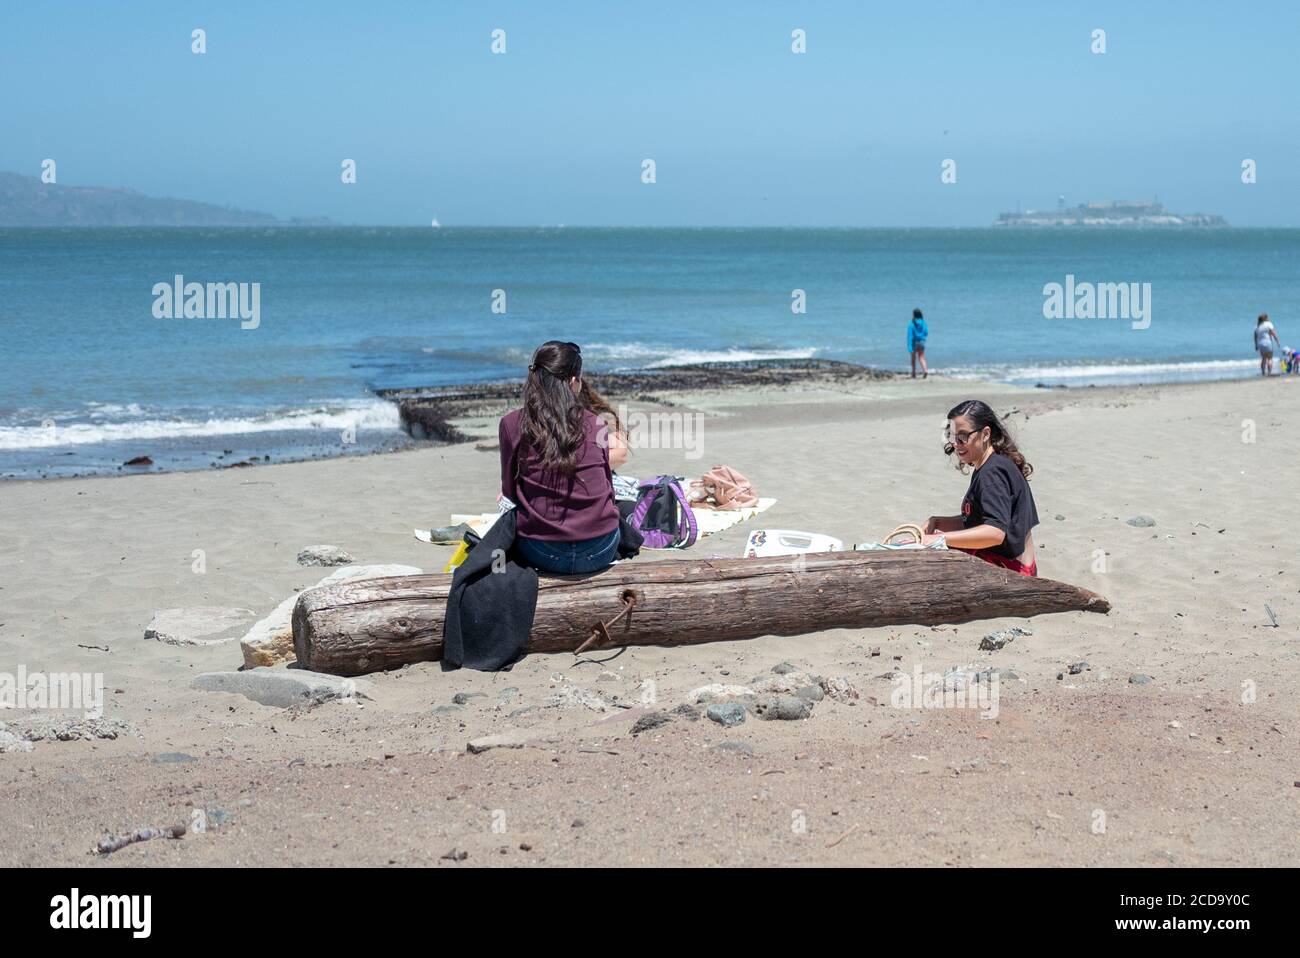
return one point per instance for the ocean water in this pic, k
(91, 376)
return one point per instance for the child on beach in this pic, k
(998, 511)
(1265, 340)
(555, 467)
(917, 333)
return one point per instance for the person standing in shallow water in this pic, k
(917, 333)
(1265, 342)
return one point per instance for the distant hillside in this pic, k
(26, 201)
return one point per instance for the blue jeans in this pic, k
(570, 558)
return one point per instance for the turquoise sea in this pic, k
(92, 376)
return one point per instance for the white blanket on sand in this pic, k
(710, 521)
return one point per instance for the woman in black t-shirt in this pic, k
(997, 514)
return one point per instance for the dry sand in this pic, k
(86, 562)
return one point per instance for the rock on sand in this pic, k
(324, 555)
(282, 688)
(270, 641)
(199, 625)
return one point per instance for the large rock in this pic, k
(782, 707)
(282, 688)
(199, 625)
(785, 683)
(270, 641)
(727, 714)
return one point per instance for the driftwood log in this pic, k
(357, 627)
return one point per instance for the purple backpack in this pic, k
(663, 515)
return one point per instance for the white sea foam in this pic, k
(114, 409)
(1134, 372)
(363, 414)
(654, 357)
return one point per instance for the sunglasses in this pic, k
(961, 438)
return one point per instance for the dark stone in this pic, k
(646, 722)
(1000, 639)
(428, 419)
(688, 712)
(139, 461)
(726, 713)
(462, 698)
(1075, 668)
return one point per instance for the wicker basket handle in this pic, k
(906, 529)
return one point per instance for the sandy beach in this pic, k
(1197, 766)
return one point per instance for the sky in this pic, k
(742, 131)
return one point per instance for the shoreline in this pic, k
(464, 413)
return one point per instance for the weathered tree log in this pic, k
(367, 626)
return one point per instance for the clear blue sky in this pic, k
(743, 132)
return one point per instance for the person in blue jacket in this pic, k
(917, 332)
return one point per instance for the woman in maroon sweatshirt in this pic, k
(555, 468)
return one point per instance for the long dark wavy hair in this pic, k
(981, 415)
(552, 420)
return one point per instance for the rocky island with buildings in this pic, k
(1108, 213)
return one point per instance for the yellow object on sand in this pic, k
(457, 557)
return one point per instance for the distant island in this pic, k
(26, 201)
(1108, 213)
